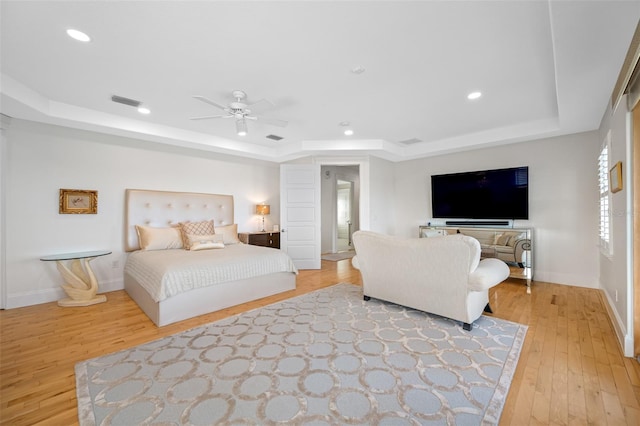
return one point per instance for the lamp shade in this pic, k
(263, 209)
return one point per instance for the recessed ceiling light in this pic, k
(348, 132)
(144, 110)
(78, 35)
(474, 95)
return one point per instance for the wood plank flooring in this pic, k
(571, 370)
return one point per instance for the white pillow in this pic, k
(206, 245)
(229, 233)
(150, 238)
(196, 240)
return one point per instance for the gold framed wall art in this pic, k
(78, 201)
(615, 178)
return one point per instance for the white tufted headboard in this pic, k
(166, 208)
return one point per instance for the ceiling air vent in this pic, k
(410, 141)
(275, 137)
(126, 101)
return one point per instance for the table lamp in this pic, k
(263, 210)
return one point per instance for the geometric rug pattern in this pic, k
(323, 358)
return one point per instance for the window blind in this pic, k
(604, 230)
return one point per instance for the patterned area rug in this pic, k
(326, 357)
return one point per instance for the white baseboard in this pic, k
(620, 328)
(37, 297)
(565, 279)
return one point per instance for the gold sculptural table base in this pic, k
(80, 282)
(67, 301)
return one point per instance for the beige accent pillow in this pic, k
(151, 238)
(204, 227)
(496, 237)
(503, 239)
(205, 242)
(229, 233)
(515, 238)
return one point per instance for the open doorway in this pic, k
(344, 214)
(340, 198)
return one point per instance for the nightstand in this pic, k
(265, 239)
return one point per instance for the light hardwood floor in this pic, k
(571, 370)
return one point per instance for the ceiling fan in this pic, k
(241, 112)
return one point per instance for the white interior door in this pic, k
(300, 214)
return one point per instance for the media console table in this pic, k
(81, 284)
(512, 245)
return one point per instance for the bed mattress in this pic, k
(165, 273)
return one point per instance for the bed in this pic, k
(172, 284)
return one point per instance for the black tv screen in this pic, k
(485, 194)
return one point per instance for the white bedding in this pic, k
(165, 273)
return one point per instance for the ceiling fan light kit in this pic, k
(241, 127)
(241, 111)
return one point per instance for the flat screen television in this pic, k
(485, 194)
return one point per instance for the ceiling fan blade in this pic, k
(210, 102)
(260, 106)
(206, 117)
(274, 122)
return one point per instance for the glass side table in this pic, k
(80, 284)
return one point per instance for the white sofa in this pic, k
(443, 276)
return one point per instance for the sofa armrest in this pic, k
(489, 272)
(354, 262)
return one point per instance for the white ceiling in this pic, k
(544, 68)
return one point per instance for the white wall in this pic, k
(615, 270)
(563, 207)
(384, 205)
(42, 159)
(4, 123)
